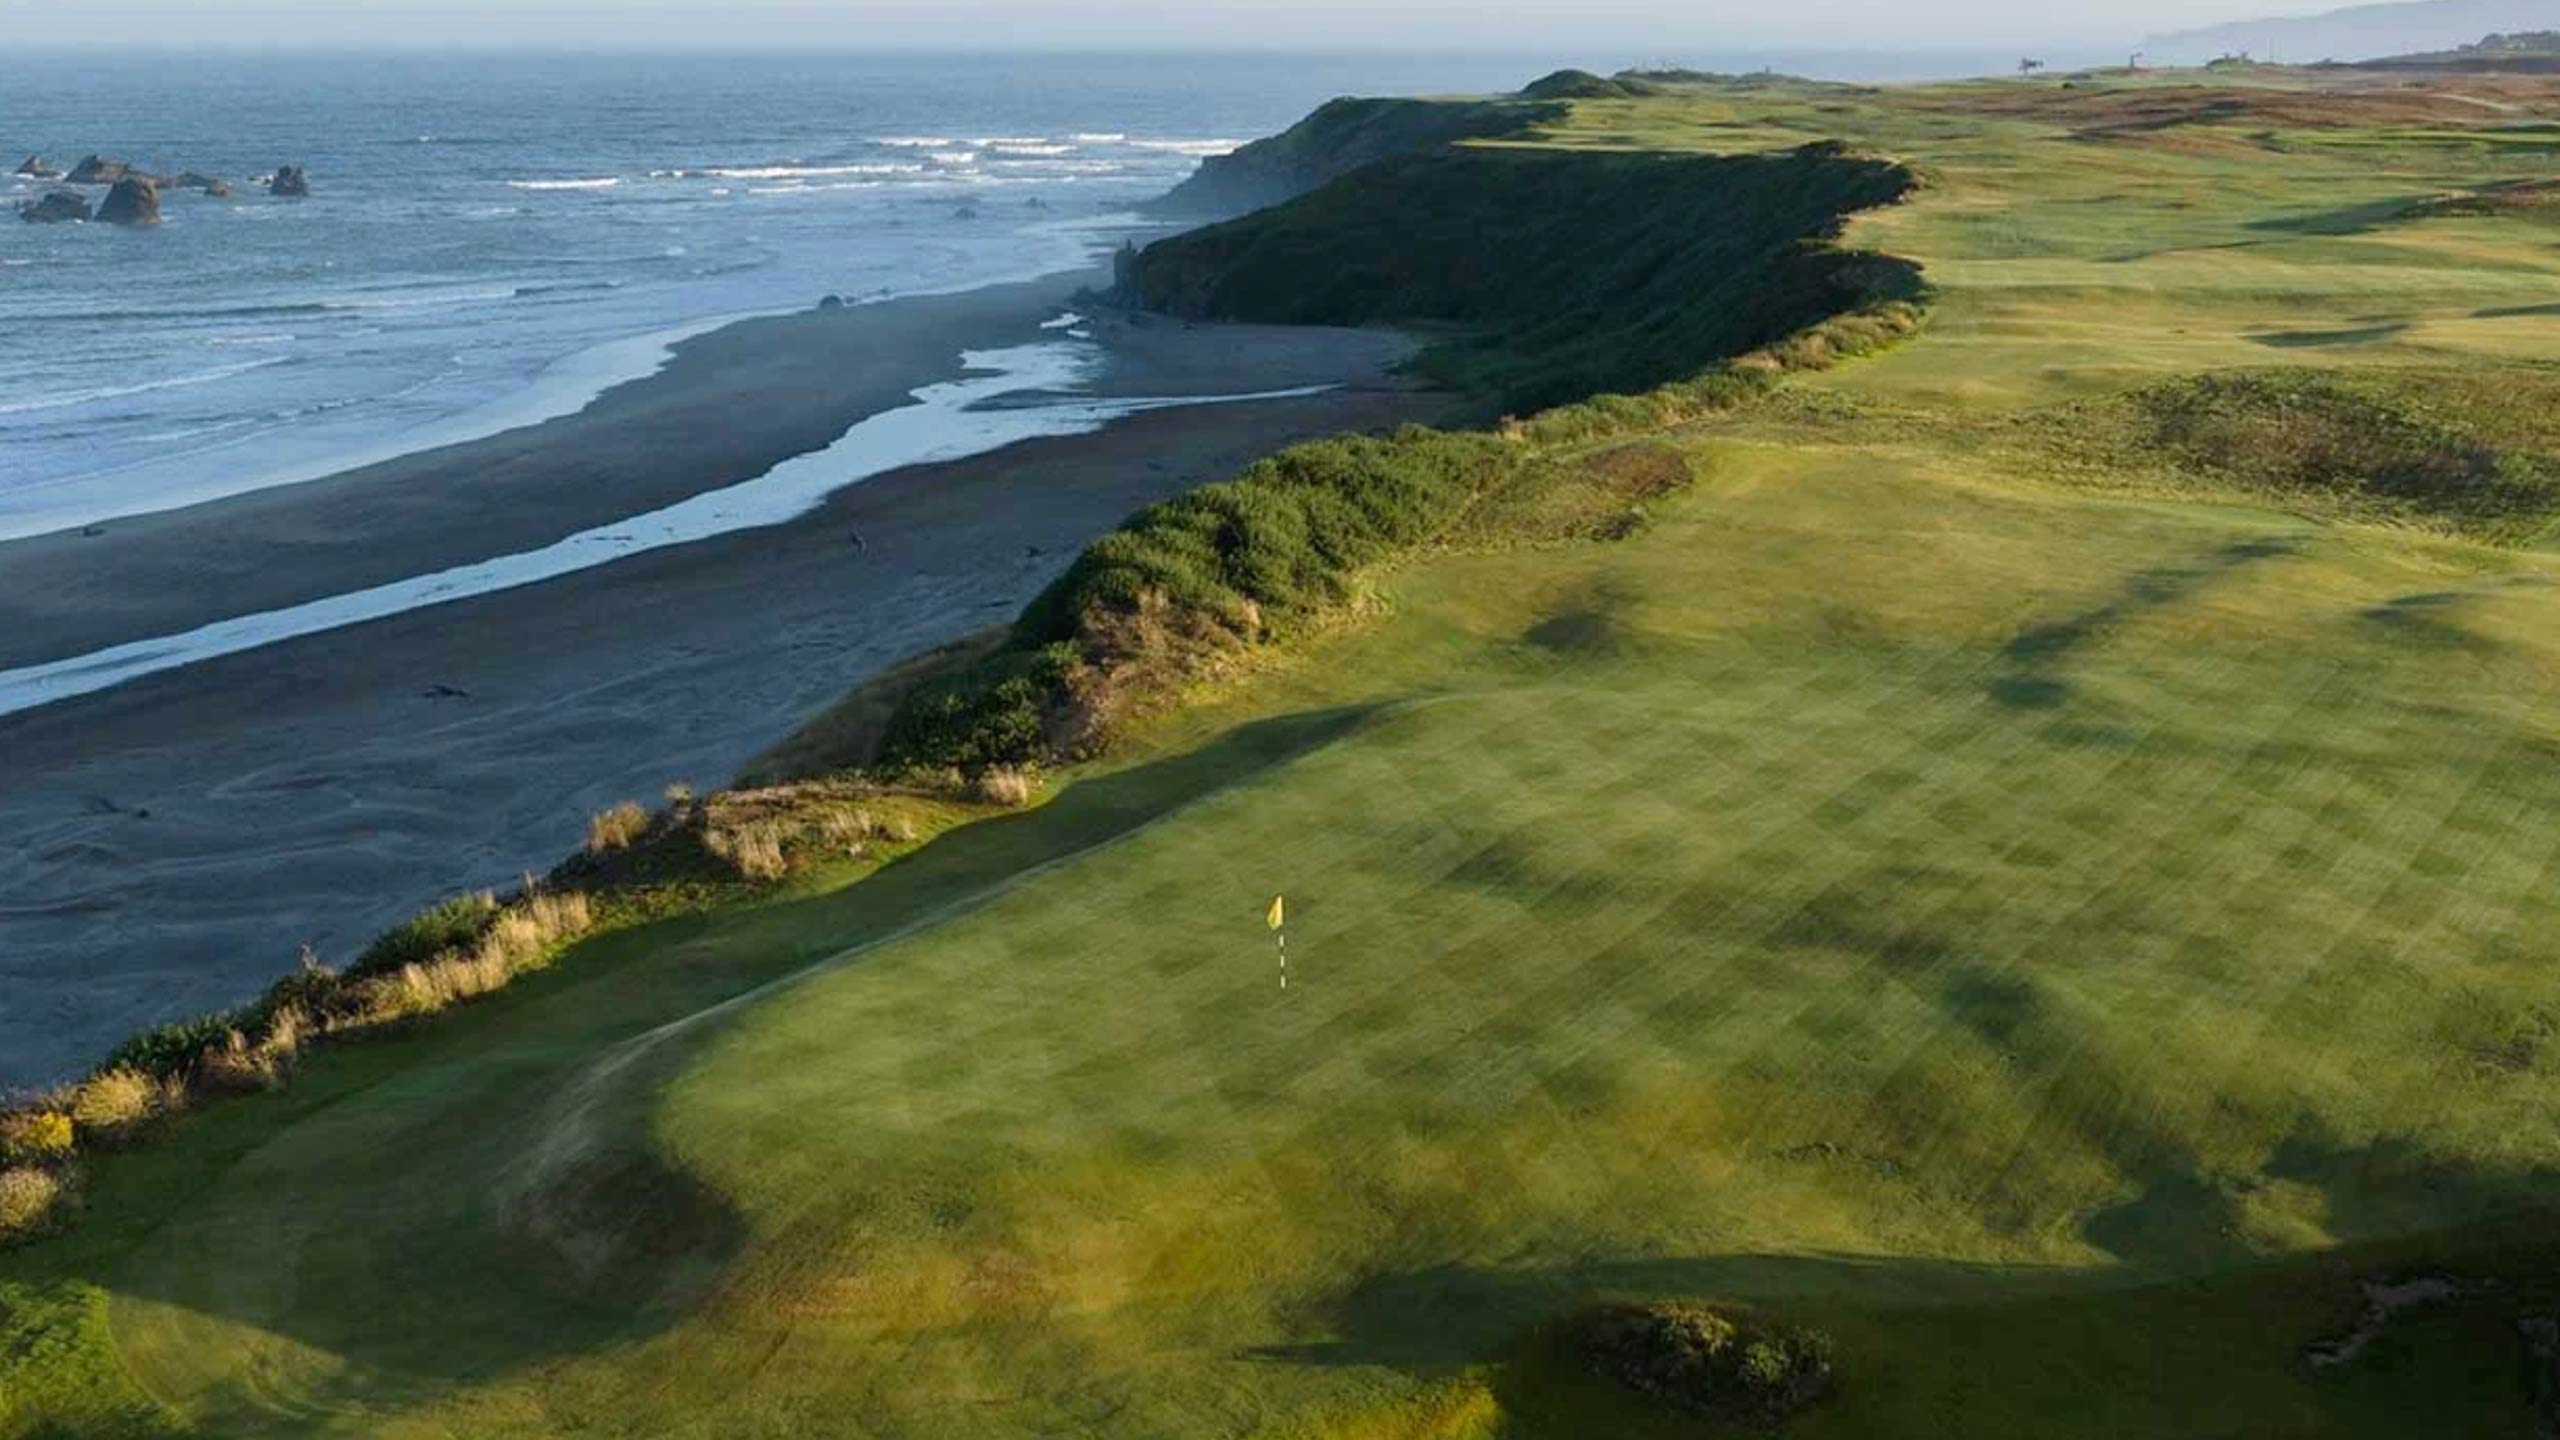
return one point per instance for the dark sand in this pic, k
(166, 846)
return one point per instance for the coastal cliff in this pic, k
(1339, 138)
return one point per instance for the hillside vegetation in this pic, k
(1574, 275)
(1342, 137)
(1983, 878)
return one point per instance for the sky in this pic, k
(1643, 30)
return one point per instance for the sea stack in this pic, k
(290, 182)
(39, 168)
(98, 170)
(135, 201)
(61, 207)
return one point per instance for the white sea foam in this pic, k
(945, 422)
(1006, 149)
(1201, 148)
(118, 392)
(955, 157)
(914, 142)
(810, 172)
(563, 388)
(1096, 138)
(601, 184)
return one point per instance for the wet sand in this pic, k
(166, 846)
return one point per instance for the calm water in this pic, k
(491, 241)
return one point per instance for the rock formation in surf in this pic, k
(98, 170)
(59, 207)
(290, 182)
(135, 201)
(212, 185)
(39, 168)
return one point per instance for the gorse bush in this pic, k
(35, 1136)
(1701, 1360)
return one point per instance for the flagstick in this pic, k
(1284, 959)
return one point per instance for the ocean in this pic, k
(493, 241)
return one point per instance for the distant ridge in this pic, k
(2365, 32)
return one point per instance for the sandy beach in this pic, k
(167, 845)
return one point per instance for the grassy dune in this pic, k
(2053, 908)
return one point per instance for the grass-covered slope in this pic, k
(1574, 274)
(1341, 137)
(2034, 863)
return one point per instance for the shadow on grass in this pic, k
(2325, 339)
(376, 1211)
(2038, 651)
(1936, 1347)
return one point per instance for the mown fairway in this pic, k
(1952, 879)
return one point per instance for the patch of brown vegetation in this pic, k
(2511, 197)
(2131, 113)
(1642, 471)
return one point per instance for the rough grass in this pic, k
(2353, 449)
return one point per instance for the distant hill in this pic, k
(2365, 32)
(2525, 50)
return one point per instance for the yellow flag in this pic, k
(1279, 911)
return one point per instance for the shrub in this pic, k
(171, 1049)
(35, 1137)
(1006, 785)
(617, 828)
(452, 925)
(27, 1197)
(114, 1100)
(1696, 1358)
(753, 849)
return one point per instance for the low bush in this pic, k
(451, 925)
(616, 828)
(27, 1198)
(1008, 785)
(35, 1137)
(114, 1101)
(754, 849)
(1702, 1360)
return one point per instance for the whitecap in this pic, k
(810, 172)
(914, 142)
(605, 184)
(1048, 150)
(1200, 148)
(118, 392)
(1099, 138)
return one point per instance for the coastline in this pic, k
(732, 402)
(172, 840)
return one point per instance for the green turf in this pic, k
(2052, 917)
